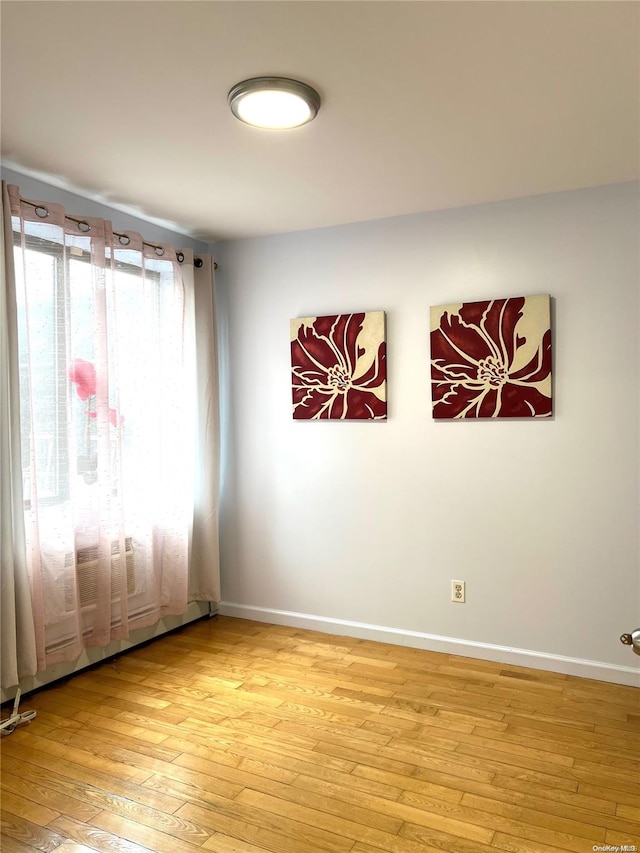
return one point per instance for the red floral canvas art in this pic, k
(338, 367)
(492, 359)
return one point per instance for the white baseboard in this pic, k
(598, 670)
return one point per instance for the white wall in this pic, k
(368, 522)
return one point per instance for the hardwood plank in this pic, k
(349, 791)
(503, 742)
(317, 700)
(249, 823)
(539, 720)
(440, 785)
(109, 706)
(441, 842)
(287, 758)
(139, 759)
(70, 846)
(75, 780)
(116, 720)
(12, 845)
(51, 720)
(98, 740)
(506, 789)
(629, 812)
(220, 843)
(43, 795)
(533, 834)
(358, 832)
(587, 712)
(181, 836)
(18, 831)
(618, 796)
(500, 756)
(23, 742)
(206, 787)
(502, 841)
(97, 839)
(200, 756)
(523, 814)
(27, 809)
(359, 756)
(514, 820)
(564, 746)
(623, 839)
(169, 824)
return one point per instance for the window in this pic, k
(107, 416)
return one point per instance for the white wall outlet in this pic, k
(458, 591)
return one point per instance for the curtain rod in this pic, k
(123, 238)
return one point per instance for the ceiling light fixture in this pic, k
(273, 102)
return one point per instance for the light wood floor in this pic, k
(237, 737)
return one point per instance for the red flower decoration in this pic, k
(492, 359)
(338, 366)
(83, 373)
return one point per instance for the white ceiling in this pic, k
(425, 105)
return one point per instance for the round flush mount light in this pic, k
(273, 102)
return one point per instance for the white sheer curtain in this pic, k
(111, 419)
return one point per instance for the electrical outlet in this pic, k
(458, 591)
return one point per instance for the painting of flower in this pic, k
(492, 359)
(338, 367)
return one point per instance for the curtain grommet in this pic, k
(84, 226)
(41, 211)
